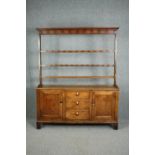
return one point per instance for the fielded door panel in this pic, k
(103, 106)
(50, 104)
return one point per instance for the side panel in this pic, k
(49, 104)
(105, 105)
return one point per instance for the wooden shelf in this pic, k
(78, 77)
(75, 51)
(77, 30)
(78, 65)
(94, 87)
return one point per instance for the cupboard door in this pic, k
(104, 106)
(50, 104)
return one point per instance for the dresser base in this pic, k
(77, 105)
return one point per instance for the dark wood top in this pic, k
(97, 87)
(77, 30)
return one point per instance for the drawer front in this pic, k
(77, 115)
(77, 94)
(83, 104)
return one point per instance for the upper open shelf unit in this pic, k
(78, 31)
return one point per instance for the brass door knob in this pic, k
(77, 102)
(77, 113)
(77, 93)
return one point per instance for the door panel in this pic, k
(103, 107)
(50, 104)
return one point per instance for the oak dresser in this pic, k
(77, 104)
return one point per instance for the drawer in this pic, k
(77, 94)
(77, 115)
(78, 104)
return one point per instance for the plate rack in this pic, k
(77, 31)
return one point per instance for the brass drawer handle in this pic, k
(77, 102)
(77, 113)
(77, 93)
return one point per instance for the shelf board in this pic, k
(78, 65)
(78, 77)
(75, 51)
(96, 87)
(77, 30)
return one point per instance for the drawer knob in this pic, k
(77, 93)
(77, 102)
(77, 113)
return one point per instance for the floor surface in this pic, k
(77, 140)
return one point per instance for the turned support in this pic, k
(38, 125)
(114, 126)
